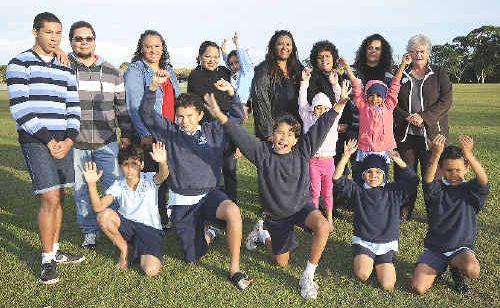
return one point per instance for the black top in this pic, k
(451, 212)
(377, 210)
(283, 178)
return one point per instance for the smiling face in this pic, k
(83, 43)
(234, 64)
(420, 55)
(374, 177)
(284, 138)
(319, 110)
(131, 168)
(283, 47)
(152, 49)
(373, 52)
(375, 99)
(454, 170)
(324, 61)
(48, 38)
(210, 58)
(188, 118)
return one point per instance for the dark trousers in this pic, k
(229, 166)
(413, 151)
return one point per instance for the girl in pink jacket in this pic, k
(321, 166)
(375, 106)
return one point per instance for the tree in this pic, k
(450, 57)
(3, 69)
(485, 45)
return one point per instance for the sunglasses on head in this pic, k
(79, 39)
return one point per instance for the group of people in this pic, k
(310, 123)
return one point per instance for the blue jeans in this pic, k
(106, 160)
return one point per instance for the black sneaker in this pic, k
(459, 283)
(89, 240)
(65, 258)
(48, 274)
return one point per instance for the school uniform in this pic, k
(452, 226)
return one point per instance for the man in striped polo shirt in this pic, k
(44, 102)
(102, 99)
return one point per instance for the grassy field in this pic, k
(475, 111)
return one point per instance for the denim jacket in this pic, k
(242, 80)
(138, 76)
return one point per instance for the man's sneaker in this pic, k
(459, 283)
(254, 237)
(66, 258)
(308, 288)
(48, 274)
(89, 240)
(214, 232)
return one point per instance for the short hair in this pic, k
(233, 53)
(451, 152)
(44, 17)
(419, 40)
(130, 152)
(320, 47)
(78, 25)
(203, 48)
(290, 120)
(189, 100)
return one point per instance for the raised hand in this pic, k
(90, 173)
(466, 143)
(159, 77)
(223, 46)
(437, 144)
(306, 74)
(345, 90)
(224, 86)
(158, 154)
(350, 147)
(236, 40)
(405, 60)
(211, 105)
(333, 78)
(344, 63)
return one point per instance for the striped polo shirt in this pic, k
(43, 99)
(102, 99)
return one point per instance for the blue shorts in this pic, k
(387, 257)
(46, 172)
(189, 223)
(145, 240)
(437, 260)
(281, 230)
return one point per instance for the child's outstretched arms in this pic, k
(437, 147)
(349, 148)
(467, 143)
(159, 155)
(91, 176)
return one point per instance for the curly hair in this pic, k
(320, 47)
(165, 56)
(289, 119)
(292, 63)
(186, 100)
(203, 47)
(130, 151)
(385, 63)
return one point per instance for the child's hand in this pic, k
(406, 60)
(159, 154)
(343, 62)
(437, 144)
(236, 40)
(350, 147)
(466, 143)
(223, 46)
(90, 173)
(306, 74)
(211, 105)
(345, 91)
(333, 78)
(393, 154)
(224, 86)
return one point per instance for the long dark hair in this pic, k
(165, 57)
(385, 63)
(320, 47)
(292, 63)
(203, 48)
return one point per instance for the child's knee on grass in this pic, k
(423, 278)
(363, 267)
(282, 259)
(386, 275)
(151, 265)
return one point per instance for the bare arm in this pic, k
(467, 144)
(91, 177)
(159, 155)
(349, 148)
(437, 147)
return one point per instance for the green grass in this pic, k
(96, 283)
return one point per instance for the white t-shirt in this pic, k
(140, 205)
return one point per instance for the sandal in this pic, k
(240, 280)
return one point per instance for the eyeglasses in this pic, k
(79, 39)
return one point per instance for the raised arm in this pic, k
(358, 96)
(467, 144)
(391, 100)
(159, 155)
(174, 81)
(91, 176)
(437, 147)
(350, 147)
(304, 107)
(333, 78)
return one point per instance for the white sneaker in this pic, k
(308, 287)
(253, 237)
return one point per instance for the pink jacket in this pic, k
(376, 124)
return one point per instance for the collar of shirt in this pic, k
(445, 182)
(194, 132)
(366, 186)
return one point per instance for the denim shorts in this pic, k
(46, 172)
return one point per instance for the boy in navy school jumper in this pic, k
(44, 103)
(452, 205)
(283, 178)
(137, 220)
(195, 162)
(377, 207)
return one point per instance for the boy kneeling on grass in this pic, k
(452, 205)
(283, 178)
(377, 207)
(137, 220)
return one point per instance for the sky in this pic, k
(185, 24)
